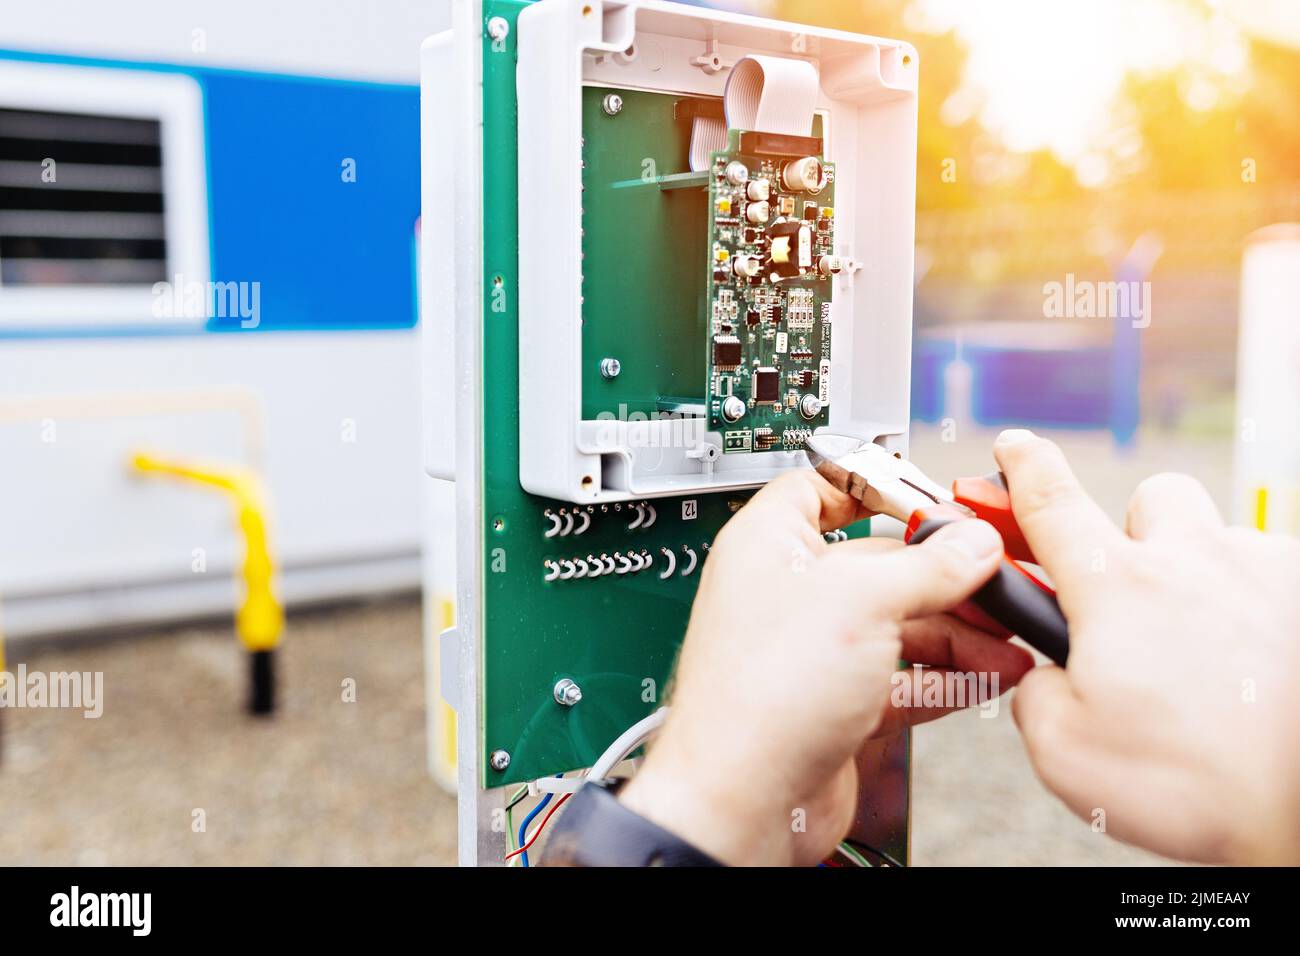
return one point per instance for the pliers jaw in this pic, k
(885, 483)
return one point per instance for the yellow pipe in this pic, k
(260, 618)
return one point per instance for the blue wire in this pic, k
(523, 827)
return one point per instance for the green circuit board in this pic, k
(769, 321)
(598, 594)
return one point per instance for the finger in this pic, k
(943, 641)
(1066, 529)
(867, 546)
(917, 580)
(809, 497)
(1170, 505)
(1054, 725)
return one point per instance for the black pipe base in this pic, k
(262, 683)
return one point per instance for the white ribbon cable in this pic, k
(624, 565)
(595, 566)
(568, 523)
(686, 571)
(553, 570)
(640, 516)
(771, 94)
(653, 515)
(581, 565)
(708, 136)
(609, 563)
(586, 522)
(554, 519)
(567, 570)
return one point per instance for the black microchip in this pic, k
(719, 275)
(806, 378)
(776, 314)
(751, 235)
(726, 351)
(767, 385)
(810, 211)
(752, 317)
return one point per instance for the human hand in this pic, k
(1173, 724)
(787, 665)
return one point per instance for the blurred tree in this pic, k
(958, 164)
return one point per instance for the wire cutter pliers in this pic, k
(888, 484)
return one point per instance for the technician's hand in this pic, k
(786, 670)
(1174, 722)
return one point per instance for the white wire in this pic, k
(627, 741)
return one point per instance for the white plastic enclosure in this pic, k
(867, 100)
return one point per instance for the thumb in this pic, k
(930, 577)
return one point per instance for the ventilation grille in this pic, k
(81, 200)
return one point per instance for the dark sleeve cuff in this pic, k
(597, 830)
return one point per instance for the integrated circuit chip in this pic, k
(727, 352)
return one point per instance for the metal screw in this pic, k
(810, 406)
(612, 104)
(610, 367)
(499, 29)
(567, 693)
(499, 760)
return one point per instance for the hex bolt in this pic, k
(612, 104)
(498, 29)
(499, 760)
(567, 693)
(610, 367)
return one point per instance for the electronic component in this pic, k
(726, 352)
(804, 175)
(810, 406)
(767, 385)
(733, 409)
(791, 243)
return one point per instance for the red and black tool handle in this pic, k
(1013, 597)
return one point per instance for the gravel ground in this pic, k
(329, 782)
(323, 782)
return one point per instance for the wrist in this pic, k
(735, 823)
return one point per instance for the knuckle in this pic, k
(1163, 485)
(946, 563)
(1020, 453)
(1061, 491)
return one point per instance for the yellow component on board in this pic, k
(259, 621)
